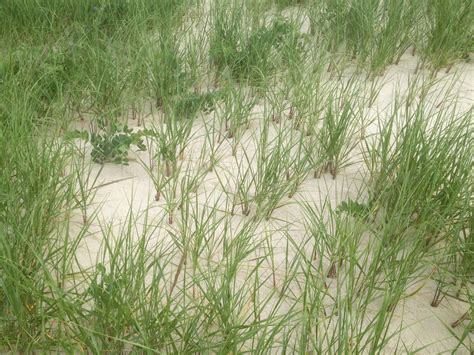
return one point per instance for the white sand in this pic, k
(426, 326)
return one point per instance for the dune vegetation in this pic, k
(236, 176)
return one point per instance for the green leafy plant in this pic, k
(114, 145)
(354, 208)
(189, 104)
(111, 142)
(254, 52)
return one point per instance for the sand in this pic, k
(425, 326)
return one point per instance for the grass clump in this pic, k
(450, 32)
(436, 155)
(36, 249)
(250, 51)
